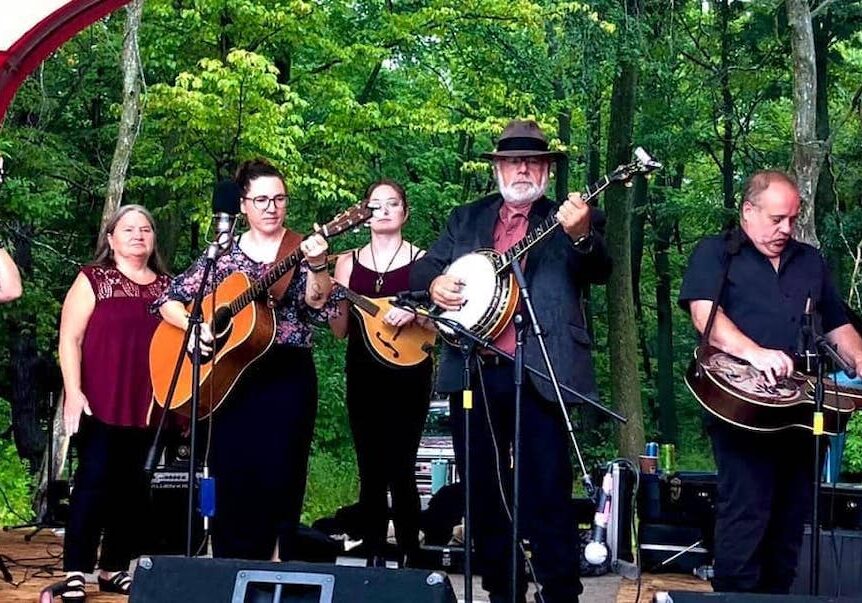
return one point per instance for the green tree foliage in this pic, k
(341, 93)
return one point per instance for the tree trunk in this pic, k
(59, 449)
(664, 227)
(807, 149)
(622, 329)
(130, 118)
(24, 358)
(726, 110)
(639, 203)
(825, 200)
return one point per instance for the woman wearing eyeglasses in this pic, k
(261, 434)
(386, 428)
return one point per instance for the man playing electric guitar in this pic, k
(763, 279)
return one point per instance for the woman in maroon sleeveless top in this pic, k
(105, 334)
(386, 405)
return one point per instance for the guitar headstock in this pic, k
(348, 219)
(643, 164)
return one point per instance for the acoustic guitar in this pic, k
(736, 392)
(393, 346)
(243, 328)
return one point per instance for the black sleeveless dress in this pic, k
(387, 408)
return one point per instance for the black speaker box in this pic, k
(680, 498)
(676, 596)
(672, 548)
(199, 580)
(840, 560)
(168, 519)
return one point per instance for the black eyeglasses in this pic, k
(262, 202)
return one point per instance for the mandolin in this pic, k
(736, 392)
(393, 346)
(243, 328)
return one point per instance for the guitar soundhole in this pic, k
(221, 322)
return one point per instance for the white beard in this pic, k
(519, 194)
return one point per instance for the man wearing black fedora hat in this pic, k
(556, 269)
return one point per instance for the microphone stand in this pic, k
(818, 348)
(468, 343)
(533, 321)
(195, 319)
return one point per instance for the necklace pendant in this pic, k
(378, 284)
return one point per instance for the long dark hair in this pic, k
(105, 255)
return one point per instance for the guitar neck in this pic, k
(546, 227)
(361, 302)
(258, 288)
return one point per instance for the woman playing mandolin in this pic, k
(386, 405)
(261, 434)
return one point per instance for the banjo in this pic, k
(489, 289)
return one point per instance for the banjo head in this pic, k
(478, 272)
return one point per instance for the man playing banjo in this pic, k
(556, 269)
(763, 280)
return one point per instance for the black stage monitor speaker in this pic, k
(199, 580)
(678, 596)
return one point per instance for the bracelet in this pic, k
(317, 269)
(584, 243)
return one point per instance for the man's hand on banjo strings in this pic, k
(445, 292)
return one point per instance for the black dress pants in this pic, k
(109, 502)
(387, 409)
(546, 515)
(764, 498)
(259, 455)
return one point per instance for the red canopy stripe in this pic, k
(34, 46)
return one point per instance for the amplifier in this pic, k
(167, 523)
(672, 548)
(841, 506)
(682, 498)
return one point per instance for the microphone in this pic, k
(806, 333)
(225, 208)
(596, 551)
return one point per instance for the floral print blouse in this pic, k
(294, 318)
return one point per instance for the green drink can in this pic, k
(667, 458)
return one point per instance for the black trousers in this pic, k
(387, 409)
(259, 455)
(547, 518)
(109, 501)
(764, 498)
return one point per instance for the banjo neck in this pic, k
(545, 227)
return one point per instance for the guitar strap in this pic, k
(289, 242)
(734, 240)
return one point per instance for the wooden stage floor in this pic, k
(38, 563)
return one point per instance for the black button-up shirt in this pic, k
(765, 304)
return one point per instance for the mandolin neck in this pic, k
(361, 302)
